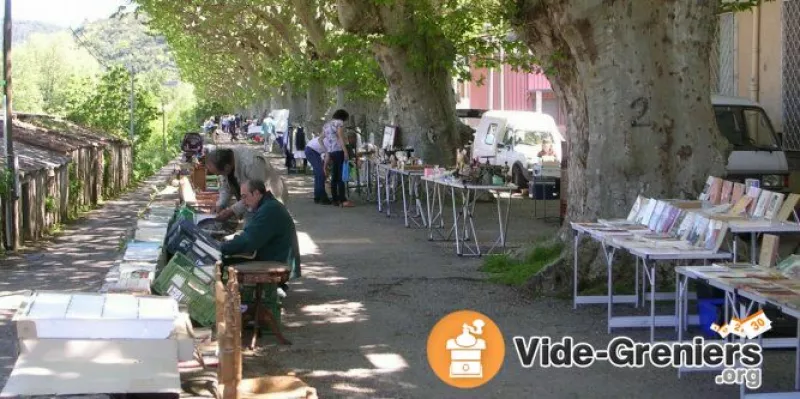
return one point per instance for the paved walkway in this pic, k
(371, 291)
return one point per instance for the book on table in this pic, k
(658, 214)
(637, 206)
(754, 193)
(769, 250)
(761, 204)
(727, 192)
(773, 205)
(790, 266)
(644, 216)
(737, 192)
(787, 208)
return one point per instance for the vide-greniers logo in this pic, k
(741, 361)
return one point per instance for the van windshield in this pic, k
(531, 137)
(746, 127)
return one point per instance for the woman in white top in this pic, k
(316, 153)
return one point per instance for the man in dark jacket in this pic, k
(270, 234)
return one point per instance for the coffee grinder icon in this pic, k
(465, 351)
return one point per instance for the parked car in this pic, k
(757, 147)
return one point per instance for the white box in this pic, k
(73, 367)
(95, 316)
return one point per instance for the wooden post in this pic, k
(219, 331)
(232, 340)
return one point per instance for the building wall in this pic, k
(513, 91)
(769, 62)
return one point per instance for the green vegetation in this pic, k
(506, 269)
(85, 77)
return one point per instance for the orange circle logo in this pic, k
(466, 349)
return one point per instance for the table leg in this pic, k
(652, 275)
(430, 214)
(256, 315)
(753, 238)
(405, 203)
(455, 221)
(378, 188)
(735, 247)
(388, 198)
(678, 303)
(797, 360)
(472, 199)
(636, 284)
(576, 237)
(609, 253)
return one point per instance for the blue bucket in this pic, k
(707, 310)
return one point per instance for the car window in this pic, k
(731, 126)
(508, 138)
(745, 128)
(759, 131)
(490, 135)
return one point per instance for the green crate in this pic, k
(190, 286)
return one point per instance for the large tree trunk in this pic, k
(368, 115)
(421, 98)
(422, 103)
(316, 105)
(633, 77)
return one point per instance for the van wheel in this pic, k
(518, 178)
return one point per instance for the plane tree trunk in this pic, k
(416, 65)
(633, 77)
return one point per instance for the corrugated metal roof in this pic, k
(33, 158)
(41, 137)
(54, 123)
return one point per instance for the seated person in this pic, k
(547, 150)
(270, 234)
(235, 166)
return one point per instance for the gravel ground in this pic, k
(371, 287)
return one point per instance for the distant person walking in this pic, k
(268, 130)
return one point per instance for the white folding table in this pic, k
(412, 204)
(647, 258)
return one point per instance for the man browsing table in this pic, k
(270, 234)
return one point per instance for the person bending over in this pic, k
(235, 166)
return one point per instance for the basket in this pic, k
(190, 286)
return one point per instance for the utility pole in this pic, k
(11, 160)
(163, 128)
(133, 105)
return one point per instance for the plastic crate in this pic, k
(189, 286)
(710, 311)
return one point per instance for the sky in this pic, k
(64, 13)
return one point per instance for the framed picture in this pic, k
(389, 133)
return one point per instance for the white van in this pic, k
(520, 140)
(757, 148)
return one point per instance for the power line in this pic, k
(82, 44)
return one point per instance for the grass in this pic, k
(511, 271)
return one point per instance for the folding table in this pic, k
(647, 257)
(469, 195)
(412, 204)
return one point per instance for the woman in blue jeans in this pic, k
(333, 139)
(316, 153)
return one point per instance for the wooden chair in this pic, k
(261, 274)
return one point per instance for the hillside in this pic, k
(126, 40)
(22, 30)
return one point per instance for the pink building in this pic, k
(511, 91)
